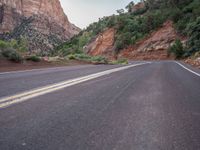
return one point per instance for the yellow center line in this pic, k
(7, 101)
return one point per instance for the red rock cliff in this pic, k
(41, 18)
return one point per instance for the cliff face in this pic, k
(42, 22)
(102, 45)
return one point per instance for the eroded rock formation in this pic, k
(155, 45)
(42, 22)
(103, 44)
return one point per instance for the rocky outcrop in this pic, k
(154, 46)
(159, 40)
(42, 22)
(193, 62)
(138, 6)
(102, 45)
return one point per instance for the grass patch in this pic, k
(87, 58)
(33, 58)
(121, 61)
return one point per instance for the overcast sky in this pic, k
(84, 12)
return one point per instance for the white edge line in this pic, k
(7, 101)
(188, 69)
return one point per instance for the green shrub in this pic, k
(194, 34)
(71, 57)
(177, 49)
(3, 45)
(14, 44)
(79, 57)
(111, 21)
(175, 15)
(82, 56)
(87, 58)
(15, 57)
(99, 59)
(121, 61)
(6, 52)
(12, 55)
(33, 58)
(22, 44)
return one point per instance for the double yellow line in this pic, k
(7, 101)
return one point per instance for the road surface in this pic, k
(154, 106)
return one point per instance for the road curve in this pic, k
(149, 107)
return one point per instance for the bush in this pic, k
(6, 52)
(79, 57)
(33, 58)
(82, 57)
(177, 49)
(15, 57)
(71, 57)
(176, 15)
(121, 61)
(99, 59)
(22, 44)
(12, 55)
(194, 34)
(3, 45)
(19, 46)
(87, 58)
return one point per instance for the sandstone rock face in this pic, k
(159, 40)
(42, 22)
(154, 46)
(102, 45)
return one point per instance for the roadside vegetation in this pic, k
(13, 50)
(87, 58)
(33, 58)
(133, 26)
(121, 61)
(176, 49)
(16, 51)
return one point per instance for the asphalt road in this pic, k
(150, 107)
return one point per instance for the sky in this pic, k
(84, 12)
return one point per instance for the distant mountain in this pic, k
(42, 22)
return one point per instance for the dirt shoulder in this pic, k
(193, 62)
(6, 65)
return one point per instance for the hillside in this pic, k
(155, 45)
(151, 29)
(42, 23)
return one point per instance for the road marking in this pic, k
(7, 101)
(188, 69)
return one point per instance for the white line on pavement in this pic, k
(188, 69)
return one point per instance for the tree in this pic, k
(120, 11)
(194, 34)
(130, 6)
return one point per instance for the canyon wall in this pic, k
(42, 22)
